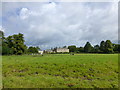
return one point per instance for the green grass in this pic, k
(61, 71)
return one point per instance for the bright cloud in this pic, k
(58, 24)
(24, 13)
(2, 29)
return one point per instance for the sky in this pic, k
(51, 24)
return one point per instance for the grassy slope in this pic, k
(61, 71)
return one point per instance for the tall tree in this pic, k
(72, 48)
(33, 49)
(9, 41)
(81, 49)
(16, 44)
(115, 48)
(102, 46)
(108, 47)
(1, 35)
(88, 48)
(5, 49)
(96, 48)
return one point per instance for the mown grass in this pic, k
(61, 71)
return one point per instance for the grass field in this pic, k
(61, 71)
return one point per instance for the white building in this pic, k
(48, 51)
(62, 50)
(40, 52)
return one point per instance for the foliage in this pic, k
(81, 49)
(96, 48)
(105, 47)
(88, 48)
(72, 48)
(102, 46)
(115, 48)
(13, 44)
(33, 49)
(108, 47)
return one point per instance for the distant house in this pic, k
(62, 50)
(56, 50)
(48, 51)
(40, 52)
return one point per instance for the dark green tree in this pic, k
(33, 49)
(1, 35)
(5, 50)
(38, 48)
(14, 44)
(108, 47)
(1, 39)
(88, 48)
(115, 48)
(9, 41)
(72, 48)
(81, 49)
(64, 46)
(96, 48)
(102, 46)
(18, 44)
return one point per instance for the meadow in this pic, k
(60, 71)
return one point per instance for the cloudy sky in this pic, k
(51, 24)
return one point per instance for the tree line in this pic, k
(14, 45)
(104, 47)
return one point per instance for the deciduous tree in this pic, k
(88, 48)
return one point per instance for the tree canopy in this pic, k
(88, 48)
(33, 50)
(14, 44)
(72, 48)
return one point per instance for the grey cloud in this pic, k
(50, 24)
